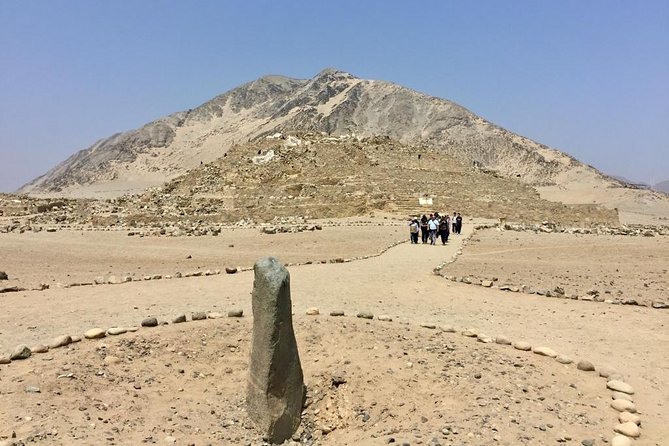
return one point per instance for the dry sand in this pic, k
(399, 283)
(618, 268)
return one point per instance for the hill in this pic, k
(338, 104)
(313, 175)
(662, 186)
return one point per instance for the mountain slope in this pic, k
(662, 186)
(334, 102)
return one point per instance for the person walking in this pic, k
(455, 229)
(458, 223)
(413, 230)
(444, 229)
(433, 225)
(423, 228)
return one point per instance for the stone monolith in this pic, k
(275, 386)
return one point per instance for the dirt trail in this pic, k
(400, 283)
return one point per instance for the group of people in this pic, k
(434, 226)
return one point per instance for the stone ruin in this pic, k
(275, 393)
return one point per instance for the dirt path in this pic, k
(400, 283)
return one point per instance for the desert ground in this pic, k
(430, 375)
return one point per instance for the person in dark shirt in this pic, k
(423, 228)
(444, 229)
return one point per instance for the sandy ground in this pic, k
(618, 268)
(400, 283)
(393, 381)
(80, 256)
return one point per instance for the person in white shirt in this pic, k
(433, 225)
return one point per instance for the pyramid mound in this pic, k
(316, 175)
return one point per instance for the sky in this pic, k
(590, 78)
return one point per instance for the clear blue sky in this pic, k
(588, 77)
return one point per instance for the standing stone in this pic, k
(275, 386)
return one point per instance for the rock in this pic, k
(39, 348)
(606, 372)
(544, 351)
(199, 316)
(620, 386)
(235, 313)
(564, 359)
(179, 319)
(60, 341)
(230, 270)
(115, 331)
(75, 339)
(33, 389)
(214, 315)
(313, 311)
(150, 322)
(486, 283)
(428, 325)
(502, 340)
(588, 442)
(275, 385)
(629, 429)
(586, 366)
(484, 338)
(627, 417)
(621, 440)
(170, 440)
(3, 276)
(337, 313)
(110, 360)
(623, 406)
(470, 333)
(4, 359)
(365, 315)
(95, 333)
(20, 352)
(385, 318)
(522, 345)
(622, 396)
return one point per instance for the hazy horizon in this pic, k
(589, 79)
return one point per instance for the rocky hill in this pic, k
(662, 186)
(314, 175)
(333, 102)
